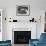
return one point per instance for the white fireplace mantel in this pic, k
(23, 26)
(26, 27)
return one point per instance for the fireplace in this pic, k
(22, 37)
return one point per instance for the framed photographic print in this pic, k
(23, 10)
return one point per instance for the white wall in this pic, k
(34, 3)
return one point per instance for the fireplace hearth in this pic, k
(22, 37)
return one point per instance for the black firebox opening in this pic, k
(22, 37)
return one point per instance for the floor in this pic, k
(20, 45)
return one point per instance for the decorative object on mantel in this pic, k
(38, 19)
(23, 10)
(14, 20)
(9, 21)
(5, 18)
(32, 20)
(9, 18)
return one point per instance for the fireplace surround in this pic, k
(21, 35)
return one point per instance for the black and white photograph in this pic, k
(23, 10)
